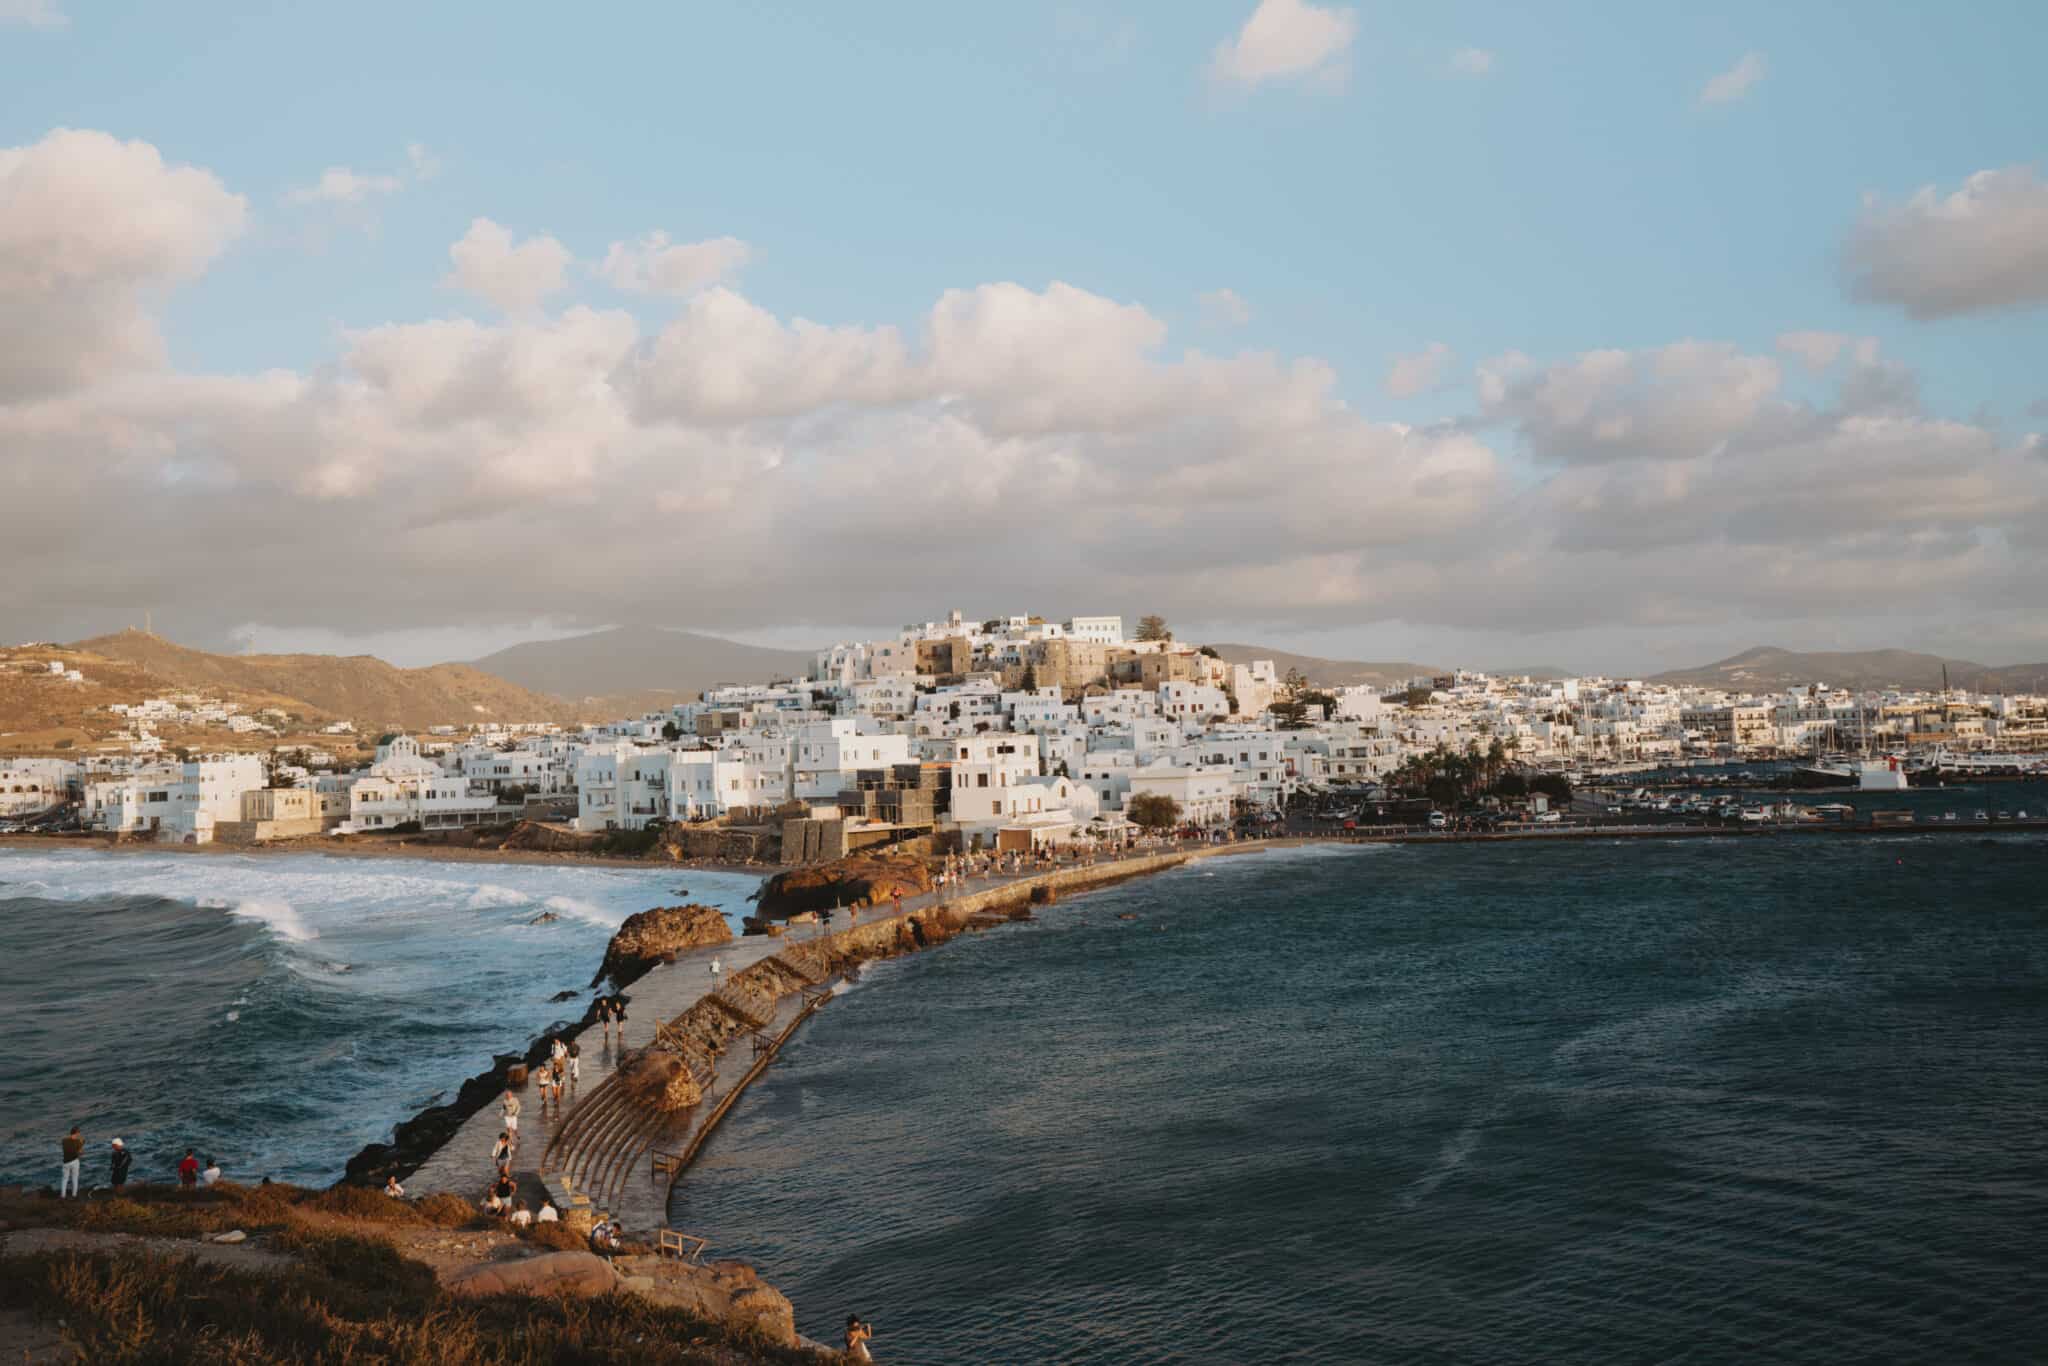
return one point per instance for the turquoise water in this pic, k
(1777, 1100)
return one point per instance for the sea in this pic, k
(1778, 1099)
(280, 1011)
(1774, 1100)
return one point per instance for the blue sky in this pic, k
(1576, 195)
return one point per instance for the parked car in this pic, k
(1438, 820)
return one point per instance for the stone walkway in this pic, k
(463, 1165)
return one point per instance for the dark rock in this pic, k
(562, 996)
(657, 936)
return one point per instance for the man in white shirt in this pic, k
(548, 1213)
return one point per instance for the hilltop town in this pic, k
(1008, 732)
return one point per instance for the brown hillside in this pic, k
(362, 688)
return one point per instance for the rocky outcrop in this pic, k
(856, 880)
(535, 836)
(731, 1293)
(552, 1273)
(661, 1080)
(657, 936)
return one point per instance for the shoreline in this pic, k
(333, 848)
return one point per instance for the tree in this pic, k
(1211, 651)
(1153, 628)
(1555, 786)
(1295, 681)
(671, 731)
(1418, 696)
(1153, 811)
(512, 794)
(1030, 680)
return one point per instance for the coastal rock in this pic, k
(870, 879)
(231, 1236)
(562, 996)
(731, 1293)
(552, 1273)
(544, 918)
(661, 1080)
(657, 936)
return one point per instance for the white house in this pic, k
(1203, 793)
(402, 787)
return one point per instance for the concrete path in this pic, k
(463, 1165)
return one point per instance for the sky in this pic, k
(1576, 335)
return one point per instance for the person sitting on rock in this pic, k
(548, 1213)
(604, 1237)
(393, 1189)
(522, 1217)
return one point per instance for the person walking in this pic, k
(575, 1062)
(119, 1159)
(558, 1054)
(509, 1108)
(543, 1082)
(67, 1175)
(188, 1170)
(501, 1153)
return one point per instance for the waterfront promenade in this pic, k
(462, 1166)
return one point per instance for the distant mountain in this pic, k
(1328, 673)
(2012, 678)
(640, 668)
(360, 688)
(1771, 669)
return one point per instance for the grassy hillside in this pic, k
(361, 688)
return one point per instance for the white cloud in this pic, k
(1412, 375)
(1472, 61)
(790, 470)
(654, 265)
(1983, 248)
(33, 14)
(516, 278)
(90, 229)
(1736, 82)
(1286, 38)
(1225, 308)
(340, 185)
(1817, 350)
(422, 161)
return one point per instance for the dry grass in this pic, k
(350, 1298)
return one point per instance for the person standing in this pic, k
(119, 1160)
(188, 1170)
(74, 1154)
(716, 968)
(857, 1335)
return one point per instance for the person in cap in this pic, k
(119, 1160)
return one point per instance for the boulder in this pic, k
(872, 879)
(551, 1273)
(657, 936)
(231, 1236)
(731, 1293)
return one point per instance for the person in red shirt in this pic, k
(188, 1170)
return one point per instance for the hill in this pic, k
(1768, 668)
(1328, 673)
(636, 668)
(360, 688)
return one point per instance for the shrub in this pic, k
(555, 1238)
